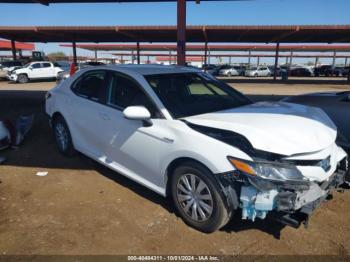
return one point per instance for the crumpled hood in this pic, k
(276, 127)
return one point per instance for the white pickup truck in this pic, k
(35, 70)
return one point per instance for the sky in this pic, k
(255, 12)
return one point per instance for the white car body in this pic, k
(144, 153)
(36, 70)
(259, 71)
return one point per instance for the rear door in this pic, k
(86, 120)
(47, 70)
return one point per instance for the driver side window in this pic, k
(124, 92)
(36, 66)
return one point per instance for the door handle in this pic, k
(104, 116)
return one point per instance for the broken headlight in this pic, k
(275, 172)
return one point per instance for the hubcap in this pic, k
(61, 136)
(194, 197)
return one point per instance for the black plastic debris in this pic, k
(23, 126)
(14, 134)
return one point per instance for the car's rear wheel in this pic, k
(63, 137)
(196, 196)
(22, 79)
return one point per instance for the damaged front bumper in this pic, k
(290, 203)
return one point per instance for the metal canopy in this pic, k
(195, 34)
(7, 46)
(197, 47)
(46, 2)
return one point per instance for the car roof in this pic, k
(154, 69)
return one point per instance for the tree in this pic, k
(57, 56)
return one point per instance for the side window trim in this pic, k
(84, 75)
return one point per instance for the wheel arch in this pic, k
(176, 163)
(55, 115)
(24, 73)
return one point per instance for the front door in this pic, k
(35, 70)
(130, 146)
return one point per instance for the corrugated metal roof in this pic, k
(172, 47)
(195, 34)
(6, 46)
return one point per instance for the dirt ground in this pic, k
(82, 208)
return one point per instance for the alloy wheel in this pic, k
(61, 136)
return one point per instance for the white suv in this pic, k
(182, 133)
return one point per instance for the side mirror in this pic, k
(31, 68)
(138, 113)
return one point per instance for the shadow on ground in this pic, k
(39, 151)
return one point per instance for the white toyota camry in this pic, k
(184, 134)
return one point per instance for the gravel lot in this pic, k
(81, 207)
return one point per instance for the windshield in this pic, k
(188, 94)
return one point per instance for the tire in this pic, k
(207, 213)
(63, 137)
(22, 79)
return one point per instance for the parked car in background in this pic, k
(279, 70)
(258, 71)
(64, 65)
(186, 135)
(328, 70)
(230, 71)
(66, 73)
(346, 71)
(301, 71)
(215, 69)
(206, 67)
(8, 66)
(35, 71)
(336, 105)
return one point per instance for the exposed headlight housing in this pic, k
(275, 172)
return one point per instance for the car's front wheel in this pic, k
(62, 136)
(196, 196)
(22, 79)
